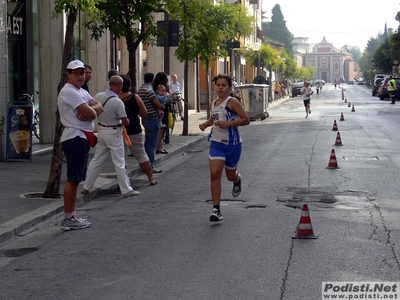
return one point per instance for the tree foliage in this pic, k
(277, 30)
(206, 28)
(131, 19)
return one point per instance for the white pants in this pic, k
(110, 142)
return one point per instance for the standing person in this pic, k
(77, 110)
(175, 87)
(227, 114)
(134, 108)
(88, 76)
(110, 139)
(392, 85)
(162, 79)
(150, 122)
(277, 88)
(306, 92)
(162, 96)
(234, 83)
(110, 74)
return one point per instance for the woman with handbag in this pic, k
(135, 108)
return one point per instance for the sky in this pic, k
(351, 22)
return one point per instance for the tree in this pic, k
(206, 27)
(277, 30)
(71, 7)
(131, 19)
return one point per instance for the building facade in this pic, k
(330, 62)
(31, 48)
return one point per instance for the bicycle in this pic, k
(175, 98)
(36, 115)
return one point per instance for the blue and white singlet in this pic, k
(230, 135)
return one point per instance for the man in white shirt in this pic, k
(175, 88)
(110, 139)
(77, 110)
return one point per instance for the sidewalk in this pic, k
(19, 213)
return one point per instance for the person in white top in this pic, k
(77, 110)
(176, 92)
(227, 114)
(110, 139)
(306, 93)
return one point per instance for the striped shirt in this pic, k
(147, 94)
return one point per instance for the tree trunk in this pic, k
(208, 80)
(53, 184)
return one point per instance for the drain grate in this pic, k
(360, 158)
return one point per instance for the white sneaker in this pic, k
(216, 216)
(74, 223)
(237, 187)
(131, 193)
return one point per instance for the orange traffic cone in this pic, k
(348, 104)
(334, 128)
(304, 230)
(352, 109)
(341, 117)
(332, 161)
(345, 100)
(338, 140)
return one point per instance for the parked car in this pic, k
(296, 88)
(383, 89)
(376, 86)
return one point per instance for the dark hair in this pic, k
(111, 73)
(87, 66)
(126, 86)
(160, 79)
(148, 77)
(223, 76)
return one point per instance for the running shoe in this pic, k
(216, 215)
(237, 187)
(309, 112)
(73, 224)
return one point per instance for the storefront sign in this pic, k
(19, 131)
(14, 25)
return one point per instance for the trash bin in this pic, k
(255, 100)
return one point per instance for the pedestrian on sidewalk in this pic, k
(306, 93)
(150, 122)
(162, 96)
(88, 76)
(134, 108)
(110, 139)
(77, 110)
(176, 91)
(227, 114)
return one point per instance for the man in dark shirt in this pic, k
(150, 123)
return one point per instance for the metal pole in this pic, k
(166, 39)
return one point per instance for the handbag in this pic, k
(91, 138)
(171, 120)
(125, 135)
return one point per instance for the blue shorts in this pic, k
(229, 153)
(76, 152)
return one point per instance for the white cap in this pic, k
(75, 64)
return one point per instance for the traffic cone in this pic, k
(338, 140)
(348, 104)
(304, 229)
(332, 161)
(352, 109)
(334, 128)
(341, 117)
(345, 100)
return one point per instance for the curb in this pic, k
(17, 226)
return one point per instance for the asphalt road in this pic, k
(160, 245)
